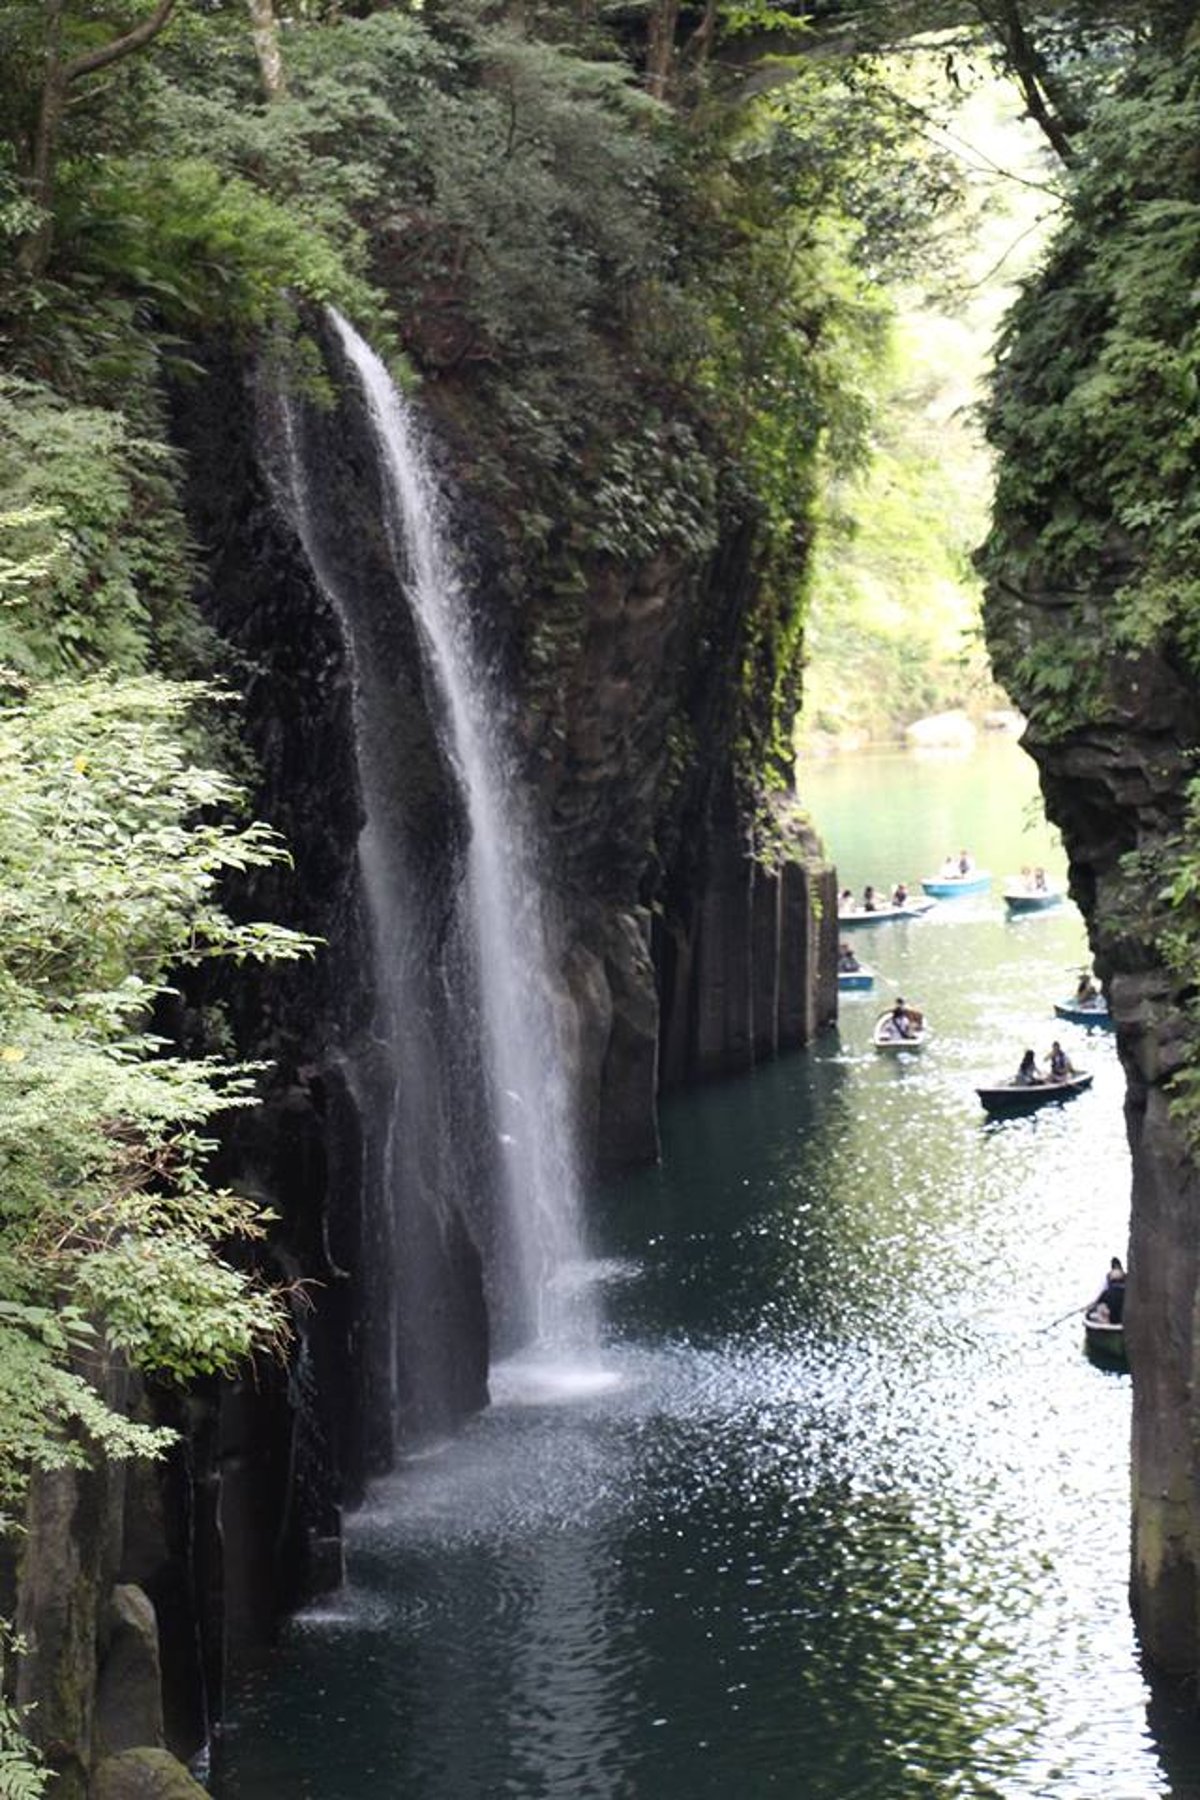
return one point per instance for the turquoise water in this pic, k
(841, 1511)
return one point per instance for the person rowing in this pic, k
(1108, 1308)
(903, 1022)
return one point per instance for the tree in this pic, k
(113, 1242)
(61, 70)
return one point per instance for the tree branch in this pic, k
(90, 60)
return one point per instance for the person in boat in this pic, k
(1039, 881)
(1108, 1308)
(1086, 993)
(846, 901)
(1060, 1065)
(848, 963)
(870, 903)
(966, 862)
(900, 894)
(904, 1021)
(950, 869)
(1029, 1075)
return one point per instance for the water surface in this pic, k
(841, 1511)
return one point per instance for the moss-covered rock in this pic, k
(144, 1774)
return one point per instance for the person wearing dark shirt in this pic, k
(1109, 1305)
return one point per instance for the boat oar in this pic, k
(1067, 1315)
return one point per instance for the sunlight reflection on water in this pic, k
(839, 1512)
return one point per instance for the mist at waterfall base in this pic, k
(853, 1525)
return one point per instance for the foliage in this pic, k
(1063, 57)
(22, 1776)
(111, 848)
(209, 246)
(1093, 410)
(96, 524)
(1093, 563)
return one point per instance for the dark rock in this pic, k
(129, 1709)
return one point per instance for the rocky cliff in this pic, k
(1092, 623)
(685, 951)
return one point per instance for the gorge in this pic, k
(549, 841)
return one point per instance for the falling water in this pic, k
(505, 937)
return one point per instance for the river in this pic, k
(841, 1513)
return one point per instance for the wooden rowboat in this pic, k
(1030, 900)
(886, 915)
(1006, 1099)
(1105, 1341)
(882, 1039)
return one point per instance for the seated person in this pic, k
(966, 862)
(870, 904)
(846, 900)
(1087, 992)
(899, 894)
(950, 869)
(1028, 1075)
(1061, 1067)
(847, 961)
(904, 1022)
(1108, 1308)
(1039, 881)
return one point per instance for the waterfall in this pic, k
(469, 1016)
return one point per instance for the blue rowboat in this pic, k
(1092, 1013)
(855, 980)
(1008, 1099)
(949, 887)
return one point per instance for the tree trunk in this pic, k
(264, 27)
(1028, 70)
(660, 47)
(35, 250)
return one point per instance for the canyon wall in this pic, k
(683, 955)
(1091, 617)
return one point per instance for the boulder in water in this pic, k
(941, 731)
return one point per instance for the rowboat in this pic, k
(1093, 1013)
(951, 887)
(856, 980)
(1005, 1099)
(882, 1037)
(1104, 1340)
(886, 915)
(1021, 899)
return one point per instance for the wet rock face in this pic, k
(1091, 618)
(688, 955)
(1113, 788)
